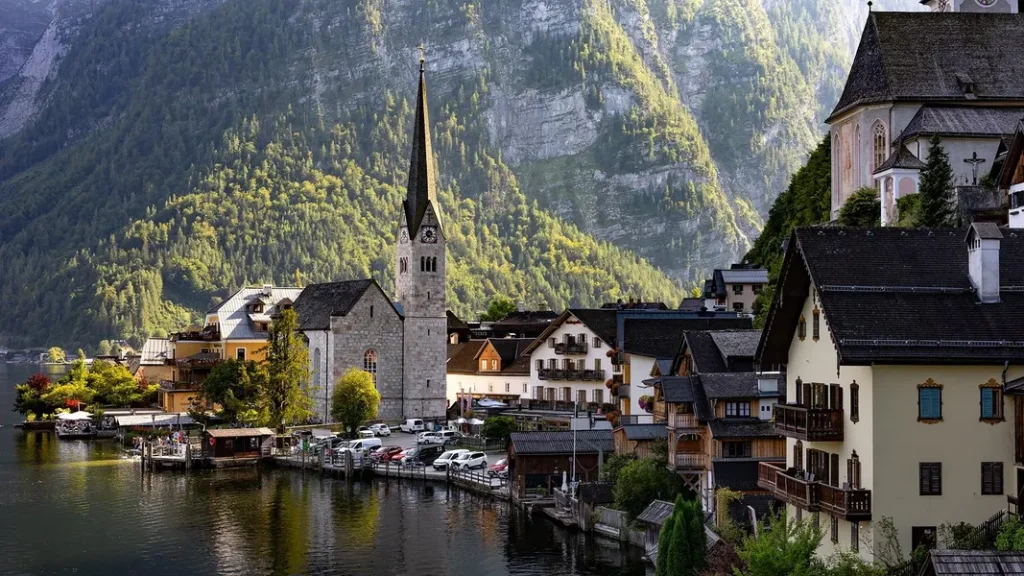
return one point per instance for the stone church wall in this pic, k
(372, 324)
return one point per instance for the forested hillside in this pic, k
(174, 151)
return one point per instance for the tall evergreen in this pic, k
(936, 189)
(686, 548)
(664, 541)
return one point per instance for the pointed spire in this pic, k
(421, 191)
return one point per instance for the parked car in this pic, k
(469, 460)
(385, 453)
(381, 429)
(365, 432)
(329, 445)
(429, 438)
(499, 469)
(423, 455)
(443, 437)
(412, 425)
(446, 457)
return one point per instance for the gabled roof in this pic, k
(663, 337)
(901, 158)
(978, 562)
(742, 428)
(922, 56)
(239, 432)
(601, 322)
(561, 443)
(462, 358)
(744, 275)
(736, 343)
(510, 349)
(704, 352)
(963, 121)
(156, 352)
(898, 296)
(656, 513)
(640, 432)
(691, 305)
(233, 313)
(319, 302)
(722, 385)
(682, 390)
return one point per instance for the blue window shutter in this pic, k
(987, 410)
(931, 403)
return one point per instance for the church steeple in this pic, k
(422, 183)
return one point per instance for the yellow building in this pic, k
(898, 345)
(235, 329)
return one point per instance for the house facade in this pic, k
(734, 289)
(900, 413)
(497, 368)
(571, 363)
(969, 94)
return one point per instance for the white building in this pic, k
(570, 362)
(900, 412)
(496, 368)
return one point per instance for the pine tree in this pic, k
(664, 541)
(686, 547)
(936, 185)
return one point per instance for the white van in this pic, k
(364, 444)
(412, 425)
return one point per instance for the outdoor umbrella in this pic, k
(75, 416)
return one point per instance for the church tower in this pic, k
(420, 277)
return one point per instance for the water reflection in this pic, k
(77, 507)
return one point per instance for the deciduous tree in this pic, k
(863, 209)
(498, 427)
(499, 309)
(56, 355)
(355, 400)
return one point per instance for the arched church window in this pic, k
(880, 146)
(423, 263)
(370, 364)
(857, 167)
(433, 264)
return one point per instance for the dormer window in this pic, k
(966, 85)
(258, 306)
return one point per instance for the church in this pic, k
(953, 72)
(401, 342)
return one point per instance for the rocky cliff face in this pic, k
(666, 127)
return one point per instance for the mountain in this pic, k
(158, 153)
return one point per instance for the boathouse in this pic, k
(237, 444)
(537, 460)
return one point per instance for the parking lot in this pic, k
(404, 440)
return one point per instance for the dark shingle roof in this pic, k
(704, 353)
(662, 337)
(927, 55)
(969, 121)
(892, 295)
(742, 428)
(600, 321)
(656, 513)
(744, 276)
(462, 358)
(510, 349)
(736, 343)
(456, 323)
(559, 443)
(901, 158)
(983, 562)
(318, 302)
(676, 389)
(729, 385)
(639, 432)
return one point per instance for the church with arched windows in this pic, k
(951, 73)
(400, 341)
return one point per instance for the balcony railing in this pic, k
(683, 422)
(690, 461)
(847, 503)
(812, 424)
(571, 348)
(174, 386)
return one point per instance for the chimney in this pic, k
(521, 307)
(268, 289)
(983, 260)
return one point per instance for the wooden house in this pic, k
(639, 439)
(538, 459)
(236, 443)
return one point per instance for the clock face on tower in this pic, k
(429, 235)
(403, 236)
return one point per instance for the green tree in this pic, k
(355, 400)
(664, 543)
(782, 547)
(936, 188)
(55, 355)
(643, 481)
(287, 394)
(498, 427)
(28, 396)
(499, 309)
(236, 385)
(687, 546)
(116, 349)
(613, 466)
(908, 209)
(68, 395)
(104, 348)
(863, 209)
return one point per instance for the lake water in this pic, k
(78, 508)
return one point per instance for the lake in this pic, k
(78, 508)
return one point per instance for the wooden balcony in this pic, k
(811, 424)
(846, 503)
(571, 348)
(689, 461)
(684, 423)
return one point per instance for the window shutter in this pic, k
(834, 476)
(936, 478)
(854, 402)
(924, 474)
(986, 403)
(798, 455)
(986, 478)
(997, 477)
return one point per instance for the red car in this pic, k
(387, 452)
(397, 456)
(499, 468)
